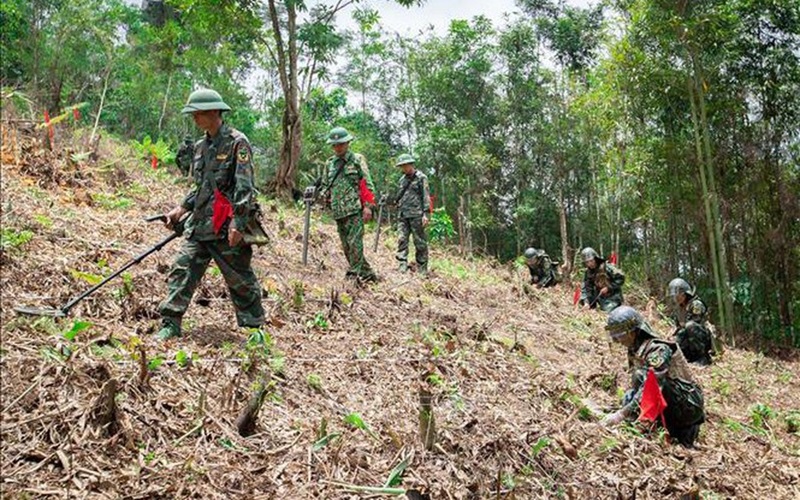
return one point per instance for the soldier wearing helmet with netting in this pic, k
(693, 332)
(542, 269)
(221, 204)
(413, 205)
(602, 282)
(349, 185)
(684, 411)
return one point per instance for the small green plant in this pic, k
(435, 379)
(112, 201)
(147, 149)
(43, 220)
(299, 293)
(149, 457)
(182, 359)
(609, 444)
(760, 414)
(278, 363)
(76, 328)
(792, 419)
(354, 420)
(319, 321)
(539, 446)
(154, 363)
(732, 425)
(314, 381)
(441, 226)
(11, 239)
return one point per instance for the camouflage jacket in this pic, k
(224, 161)
(345, 191)
(594, 280)
(684, 396)
(416, 196)
(695, 310)
(542, 271)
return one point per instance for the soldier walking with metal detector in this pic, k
(414, 204)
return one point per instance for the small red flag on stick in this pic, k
(153, 161)
(576, 297)
(50, 131)
(613, 258)
(653, 403)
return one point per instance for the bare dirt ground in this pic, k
(94, 406)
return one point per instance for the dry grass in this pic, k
(509, 414)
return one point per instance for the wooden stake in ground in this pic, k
(246, 421)
(104, 409)
(427, 423)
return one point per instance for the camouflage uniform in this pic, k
(594, 280)
(185, 156)
(347, 209)
(543, 273)
(224, 162)
(685, 405)
(693, 334)
(414, 204)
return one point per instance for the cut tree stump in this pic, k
(427, 422)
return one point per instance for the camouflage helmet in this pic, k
(679, 285)
(339, 135)
(624, 319)
(589, 253)
(531, 253)
(204, 100)
(404, 159)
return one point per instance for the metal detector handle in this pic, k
(158, 246)
(153, 218)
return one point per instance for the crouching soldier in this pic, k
(602, 282)
(542, 269)
(693, 332)
(684, 411)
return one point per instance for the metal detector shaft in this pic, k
(158, 246)
(306, 224)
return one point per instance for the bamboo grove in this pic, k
(665, 131)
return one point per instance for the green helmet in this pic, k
(404, 159)
(530, 253)
(624, 319)
(589, 253)
(339, 135)
(204, 100)
(679, 285)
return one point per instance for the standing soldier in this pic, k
(543, 273)
(220, 204)
(185, 156)
(350, 188)
(693, 333)
(414, 204)
(602, 282)
(684, 411)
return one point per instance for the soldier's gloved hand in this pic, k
(604, 291)
(613, 419)
(424, 221)
(174, 215)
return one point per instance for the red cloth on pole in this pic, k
(576, 297)
(653, 403)
(153, 161)
(613, 258)
(223, 210)
(76, 114)
(365, 194)
(433, 198)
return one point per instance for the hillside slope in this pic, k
(507, 370)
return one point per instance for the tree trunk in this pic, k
(562, 216)
(164, 105)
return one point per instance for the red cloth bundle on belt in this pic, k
(223, 210)
(365, 194)
(653, 403)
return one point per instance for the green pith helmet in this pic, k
(404, 159)
(339, 135)
(679, 285)
(204, 100)
(589, 253)
(530, 253)
(624, 319)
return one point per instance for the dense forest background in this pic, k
(664, 131)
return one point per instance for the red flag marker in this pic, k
(50, 131)
(76, 114)
(432, 200)
(365, 194)
(576, 297)
(613, 258)
(653, 402)
(154, 161)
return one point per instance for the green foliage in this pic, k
(11, 239)
(112, 201)
(76, 328)
(314, 381)
(441, 226)
(760, 415)
(160, 149)
(319, 321)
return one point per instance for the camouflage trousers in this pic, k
(233, 262)
(407, 227)
(351, 234)
(695, 343)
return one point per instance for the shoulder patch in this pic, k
(656, 359)
(243, 154)
(697, 307)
